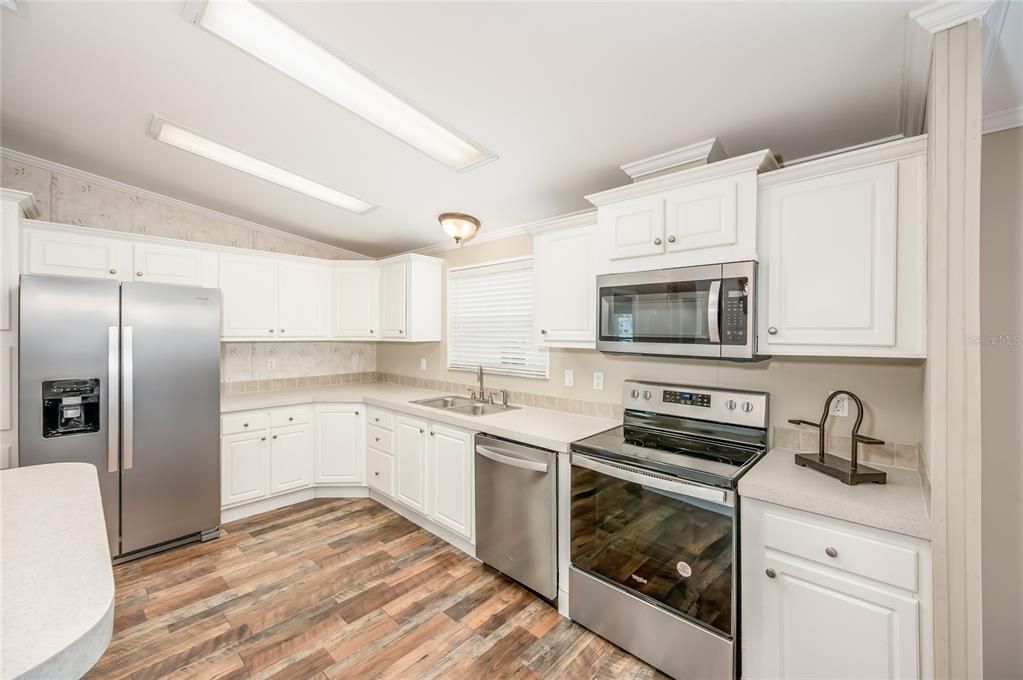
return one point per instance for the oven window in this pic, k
(671, 549)
(674, 312)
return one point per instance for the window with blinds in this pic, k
(490, 320)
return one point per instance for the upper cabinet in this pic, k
(248, 288)
(843, 245)
(66, 253)
(702, 215)
(563, 276)
(303, 300)
(410, 298)
(159, 263)
(357, 301)
(393, 299)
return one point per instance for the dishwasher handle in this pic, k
(513, 461)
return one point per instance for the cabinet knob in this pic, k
(671, 239)
(271, 330)
(432, 433)
(770, 573)
(421, 430)
(282, 330)
(371, 331)
(401, 332)
(543, 331)
(657, 241)
(772, 331)
(830, 552)
(245, 424)
(275, 436)
(262, 439)
(138, 274)
(356, 413)
(377, 474)
(290, 418)
(376, 438)
(113, 271)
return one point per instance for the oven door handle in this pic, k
(653, 480)
(713, 322)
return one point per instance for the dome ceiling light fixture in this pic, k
(459, 226)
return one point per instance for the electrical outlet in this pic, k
(840, 406)
(569, 377)
(271, 364)
(422, 364)
(598, 380)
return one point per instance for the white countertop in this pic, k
(545, 428)
(898, 506)
(57, 583)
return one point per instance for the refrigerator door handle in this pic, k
(113, 397)
(127, 378)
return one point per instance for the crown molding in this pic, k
(579, 218)
(1003, 120)
(53, 166)
(25, 200)
(845, 159)
(916, 72)
(758, 161)
(844, 149)
(945, 14)
(708, 151)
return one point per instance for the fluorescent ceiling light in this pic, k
(267, 38)
(169, 133)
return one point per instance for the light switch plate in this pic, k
(569, 377)
(422, 364)
(598, 380)
(271, 364)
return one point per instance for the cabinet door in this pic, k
(392, 300)
(410, 458)
(340, 444)
(248, 287)
(357, 302)
(451, 479)
(244, 467)
(303, 300)
(160, 263)
(818, 625)
(66, 254)
(831, 260)
(634, 228)
(563, 271)
(703, 215)
(290, 457)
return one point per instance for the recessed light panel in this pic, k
(269, 39)
(177, 136)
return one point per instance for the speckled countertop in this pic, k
(58, 585)
(545, 428)
(899, 506)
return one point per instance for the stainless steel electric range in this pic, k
(655, 525)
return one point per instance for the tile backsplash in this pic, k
(807, 440)
(272, 362)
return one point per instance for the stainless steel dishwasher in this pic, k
(516, 512)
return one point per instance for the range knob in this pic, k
(747, 407)
(646, 394)
(635, 394)
(730, 404)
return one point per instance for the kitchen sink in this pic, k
(464, 405)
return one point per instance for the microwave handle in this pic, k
(713, 324)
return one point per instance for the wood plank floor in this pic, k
(340, 588)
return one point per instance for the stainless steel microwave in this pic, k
(706, 311)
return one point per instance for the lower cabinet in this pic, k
(823, 598)
(340, 441)
(258, 460)
(290, 458)
(244, 467)
(410, 452)
(381, 471)
(450, 479)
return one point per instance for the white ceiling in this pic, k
(563, 93)
(1003, 81)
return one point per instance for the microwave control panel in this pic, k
(735, 311)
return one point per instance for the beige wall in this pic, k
(892, 390)
(1001, 319)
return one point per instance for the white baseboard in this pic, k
(275, 502)
(434, 528)
(342, 492)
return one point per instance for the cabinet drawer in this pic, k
(861, 555)
(380, 471)
(249, 421)
(298, 415)
(380, 418)
(379, 438)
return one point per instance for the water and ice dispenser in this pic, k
(70, 406)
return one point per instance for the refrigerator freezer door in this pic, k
(68, 333)
(170, 482)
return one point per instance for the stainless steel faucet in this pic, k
(479, 379)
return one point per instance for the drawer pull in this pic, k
(245, 424)
(262, 439)
(376, 438)
(275, 436)
(830, 552)
(377, 474)
(290, 418)
(771, 573)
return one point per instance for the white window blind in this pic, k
(490, 320)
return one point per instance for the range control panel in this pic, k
(687, 398)
(738, 407)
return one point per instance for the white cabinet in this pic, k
(67, 253)
(393, 299)
(635, 228)
(700, 216)
(248, 288)
(290, 458)
(357, 301)
(340, 444)
(844, 255)
(410, 458)
(159, 263)
(303, 300)
(450, 456)
(244, 467)
(823, 598)
(566, 286)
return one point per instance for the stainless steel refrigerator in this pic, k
(126, 377)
